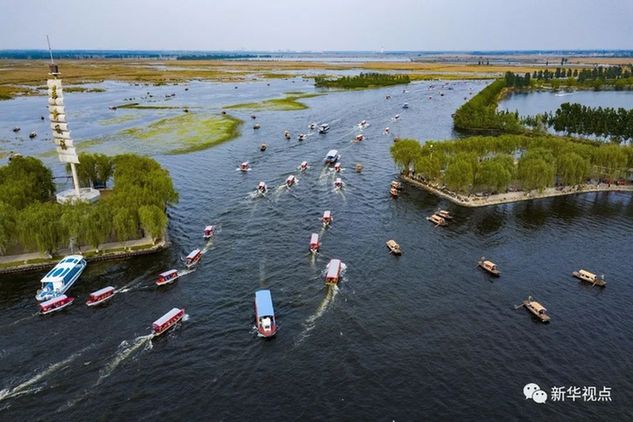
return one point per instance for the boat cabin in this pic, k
(245, 166)
(333, 273)
(193, 258)
(100, 296)
(167, 277)
(55, 304)
(265, 314)
(314, 243)
(327, 218)
(208, 232)
(167, 321)
(537, 309)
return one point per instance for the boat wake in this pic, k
(17, 321)
(310, 322)
(125, 350)
(132, 284)
(27, 386)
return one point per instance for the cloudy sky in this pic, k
(317, 24)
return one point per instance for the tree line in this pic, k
(30, 219)
(363, 80)
(518, 162)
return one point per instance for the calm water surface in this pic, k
(426, 336)
(529, 104)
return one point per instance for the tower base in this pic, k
(85, 195)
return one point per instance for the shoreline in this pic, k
(12, 264)
(472, 201)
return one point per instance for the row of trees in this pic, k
(364, 80)
(608, 122)
(134, 208)
(496, 164)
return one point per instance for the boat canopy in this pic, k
(333, 268)
(314, 239)
(193, 254)
(169, 273)
(58, 272)
(587, 274)
(264, 303)
(169, 315)
(327, 214)
(538, 307)
(489, 264)
(332, 153)
(102, 291)
(208, 229)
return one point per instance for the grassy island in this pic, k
(288, 103)
(364, 80)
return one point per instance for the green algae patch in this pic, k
(117, 120)
(288, 103)
(138, 106)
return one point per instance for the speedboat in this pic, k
(338, 183)
(256, 126)
(536, 309)
(437, 220)
(263, 147)
(193, 258)
(303, 166)
(262, 188)
(393, 247)
(100, 296)
(363, 124)
(405, 105)
(588, 277)
(208, 233)
(290, 181)
(32, 135)
(167, 321)
(287, 135)
(386, 131)
(489, 266)
(332, 157)
(16, 129)
(55, 304)
(396, 117)
(359, 137)
(245, 166)
(167, 277)
(324, 128)
(327, 218)
(314, 243)
(312, 126)
(333, 274)
(301, 137)
(61, 277)
(337, 167)
(265, 314)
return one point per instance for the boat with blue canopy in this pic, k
(61, 277)
(265, 314)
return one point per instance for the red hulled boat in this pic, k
(167, 321)
(167, 277)
(55, 304)
(100, 296)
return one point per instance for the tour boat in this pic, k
(444, 214)
(327, 218)
(61, 277)
(332, 157)
(489, 266)
(333, 273)
(585, 275)
(100, 296)
(536, 309)
(256, 126)
(394, 192)
(314, 243)
(337, 167)
(303, 166)
(167, 321)
(291, 180)
(208, 233)
(265, 314)
(437, 220)
(55, 304)
(363, 124)
(394, 247)
(301, 137)
(32, 135)
(262, 188)
(193, 258)
(245, 166)
(405, 105)
(287, 135)
(359, 137)
(324, 128)
(312, 126)
(263, 147)
(167, 277)
(338, 183)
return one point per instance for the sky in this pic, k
(317, 25)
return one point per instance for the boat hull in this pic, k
(59, 308)
(166, 282)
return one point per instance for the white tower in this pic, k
(61, 136)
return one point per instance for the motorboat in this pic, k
(314, 243)
(363, 124)
(337, 167)
(393, 192)
(405, 106)
(303, 166)
(338, 183)
(262, 188)
(265, 314)
(589, 277)
(396, 117)
(167, 277)
(61, 278)
(396, 185)
(167, 321)
(386, 131)
(333, 272)
(360, 137)
(312, 126)
(245, 166)
(32, 135)
(324, 128)
(208, 232)
(100, 296)
(291, 181)
(263, 147)
(55, 304)
(437, 220)
(301, 137)
(327, 218)
(256, 126)
(332, 157)
(193, 258)
(16, 129)
(287, 135)
(536, 309)
(444, 214)
(489, 266)
(253, 117)
(393, 247)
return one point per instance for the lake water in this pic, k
(424, 336)
(529, 104)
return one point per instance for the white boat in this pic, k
(314, 243)
(338, 183)
(363, 124)
(337, 167)
(167, 277)
(256, 126)
(332, 157)
(61, 277)
(301, 137)
(193, 258)
(303, 166)
(245, 166)
(324, 128)
(287, 135)
(333, 274)
(360, 137)
(291, 181)
(396, 117)
(167, 321)
(262, 188)
(208, 233)
(327, 218)
(312, 126)
(590, 277)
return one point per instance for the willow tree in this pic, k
(7, 226)
(572, 169)
(459, 175)
(39, 229)
(535, 173)
(125, 223)
(153, 221)
(405, 152)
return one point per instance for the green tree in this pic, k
(459, 175)
(100, 224)
(7, 226)
(125, 223)
(535, 173)
(153, 221)
(572, 168)
(405, 152)
(25, 180)
(38, 227)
